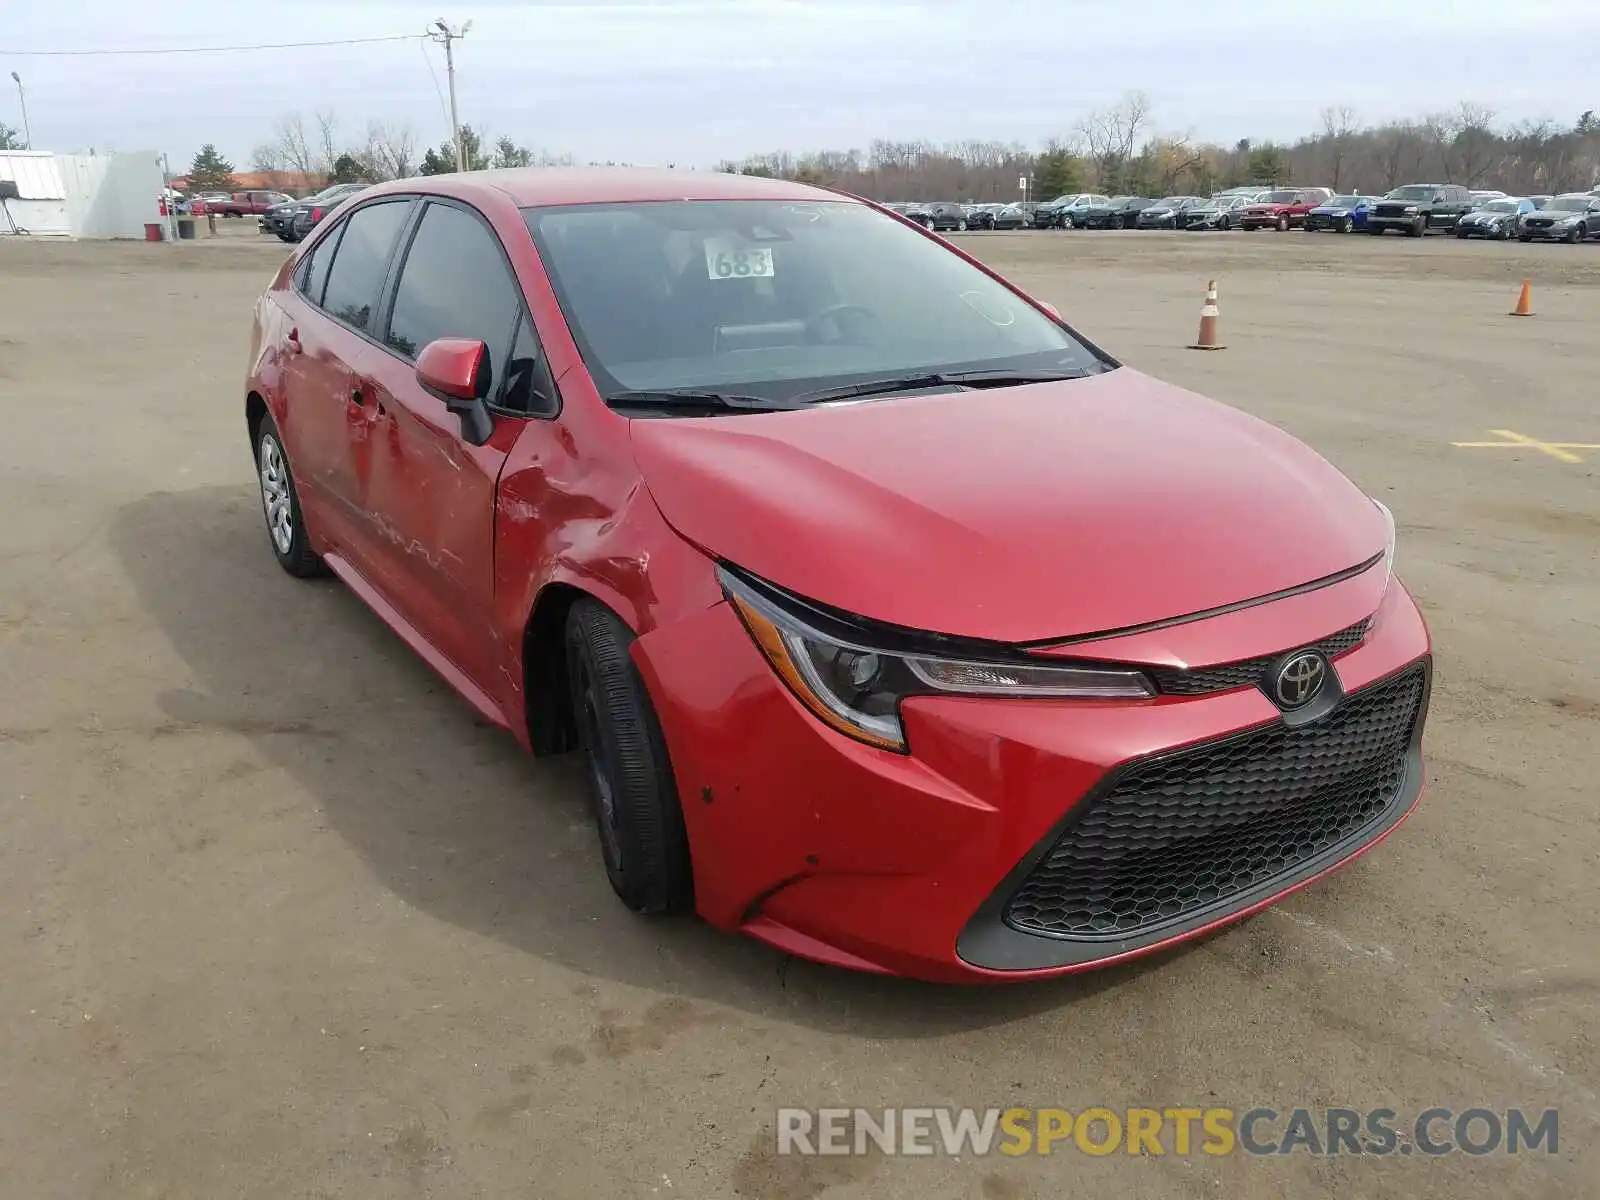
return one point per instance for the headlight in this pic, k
(1411, 208)
(1388, 547)
(856, 687)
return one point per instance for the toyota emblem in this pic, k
(1300, 679)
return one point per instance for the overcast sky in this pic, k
(692, 81)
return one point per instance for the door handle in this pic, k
(361, 393)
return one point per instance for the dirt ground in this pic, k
(281, 919)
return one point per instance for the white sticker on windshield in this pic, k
(728, 259)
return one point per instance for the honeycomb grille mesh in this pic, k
(1185, 832)
(1248, 672)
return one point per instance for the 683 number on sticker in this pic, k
(727, 259)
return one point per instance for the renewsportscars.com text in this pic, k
(1154, 1132)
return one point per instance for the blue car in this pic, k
(1499, 219)
(1346, 214)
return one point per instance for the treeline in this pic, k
(1119, 149)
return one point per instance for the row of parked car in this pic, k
(291, 220)
(1414, 210)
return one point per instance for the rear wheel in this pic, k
(634, 797)
(280, 504)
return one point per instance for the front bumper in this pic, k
(1546, 233)
(911, 864)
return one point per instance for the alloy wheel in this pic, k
(275, 496)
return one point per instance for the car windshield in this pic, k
(1568, 204)
(1343, 202)
(775, 298)
(1413, 191)
(1501, 206)
(1280, 198)
(1169, 201)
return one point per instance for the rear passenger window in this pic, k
(314, 271)
(455, 283)
(361, 261)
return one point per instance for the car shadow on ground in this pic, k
(447, 810)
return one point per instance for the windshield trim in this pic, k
(606, 383)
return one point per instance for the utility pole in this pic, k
(444, 34)
(27, 134)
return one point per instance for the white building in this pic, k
(80, 195)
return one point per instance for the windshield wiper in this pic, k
(695, 398)
(911, 383)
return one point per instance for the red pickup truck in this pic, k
(242, 204)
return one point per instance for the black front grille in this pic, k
(1539, 222)
(1247, 672)
(1185, 832)
(1390, 210)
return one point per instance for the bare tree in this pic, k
(1338, 128)
(390, 151)
(1112, 134)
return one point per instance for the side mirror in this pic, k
(457, 371)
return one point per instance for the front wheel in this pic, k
(280, 504)
(1375, 230)
(635, 801)
(961, 226)
(1523, 237)
(1348, 225)
(1575, 236)
(1283, 224)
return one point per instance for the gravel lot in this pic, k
(281, 919)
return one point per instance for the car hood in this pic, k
(1267, 208)
(1021, 514)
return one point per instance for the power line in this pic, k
(398, 37)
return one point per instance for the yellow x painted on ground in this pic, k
(1510, 439)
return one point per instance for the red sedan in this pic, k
(899, 626)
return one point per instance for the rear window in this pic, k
(777, 298)
(1281, 198)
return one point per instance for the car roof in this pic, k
(531, 186)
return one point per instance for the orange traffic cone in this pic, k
(1524, 306)
(1206, 339)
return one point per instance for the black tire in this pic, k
(1283, 224)
(1227, 224)
(1524, 237)
(1461, 233)
(280, 505)
(1375, 230)
(1576, 236)
(1348, 225)
(631, 789)
(1417, 228)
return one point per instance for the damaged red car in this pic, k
(899, 626)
